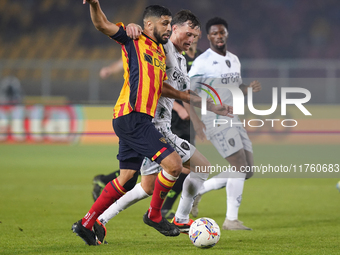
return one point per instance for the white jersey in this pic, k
(214, 69)
(176, 70)
(178, 78)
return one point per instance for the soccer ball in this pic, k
(204, 233)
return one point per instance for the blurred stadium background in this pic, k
(50, 49)
(51, 54)
(50, 92)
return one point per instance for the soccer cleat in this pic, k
(100, 231)
(234, 225)
(164, 227)
(194, 209)
(183, 227)
(168, 214)
(98, 186)
(87, 235)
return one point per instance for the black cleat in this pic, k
(100, 231)
(98, 186)
(164, 227)
(87, 235)
(168, 214)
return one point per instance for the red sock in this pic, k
(112, 191)
(162, 186)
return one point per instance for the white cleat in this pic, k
(234, 225)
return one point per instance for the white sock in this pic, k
(234, 190)
(217, 182)
(131, 197)
(191, 185)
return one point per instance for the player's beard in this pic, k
(221, 48)
(158, 37)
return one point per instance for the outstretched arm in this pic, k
(197, 123)
(181, 111)
(99, 19)
(115, 67)
(255, 85)
(191, 97)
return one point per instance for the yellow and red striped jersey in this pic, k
(144, 73)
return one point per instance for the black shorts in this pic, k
(138, 138)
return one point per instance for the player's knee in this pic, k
(238, 160)
(176, 168)
(148, 190)
(131, 182)
(148, 184)
(172, 164)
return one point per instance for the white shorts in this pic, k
(230, 140)
(181, 146)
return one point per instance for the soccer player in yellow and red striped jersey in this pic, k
(144, 73)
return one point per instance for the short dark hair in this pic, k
(185, 15)
(156, 11)
(215, 21)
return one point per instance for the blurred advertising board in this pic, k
(40, 123)
(93, 124)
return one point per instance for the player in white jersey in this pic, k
(216, 67)
(185, 28)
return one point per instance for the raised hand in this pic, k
(133, 31)
(199, 129)
(90, 1)
(224, 110)
(256, 86)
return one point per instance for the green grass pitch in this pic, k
(46, 188)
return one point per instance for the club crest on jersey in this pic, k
(228, 63)
(185, 146)
(163, 140)
(231, 141)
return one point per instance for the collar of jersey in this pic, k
(150, 38)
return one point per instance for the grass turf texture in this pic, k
(46, 188)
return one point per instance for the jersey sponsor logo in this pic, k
(148, 58)
(154, 61)
(230, 78)
(179, 77)
(160, 64)
(228, 63)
